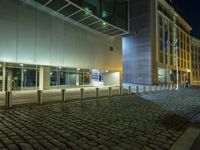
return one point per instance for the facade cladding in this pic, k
(158, 48)
(47, 43)
(195, 52)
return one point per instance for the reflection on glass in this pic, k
(87, 78)
(29, 78)
(72, 78)
(15, 75)
(53, 77)
(63, 78)
(113, 11)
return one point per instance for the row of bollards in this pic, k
(8, 95)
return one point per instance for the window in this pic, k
(54, 76)
(29, 78)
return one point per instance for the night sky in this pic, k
(190, 10)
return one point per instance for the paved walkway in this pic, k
(148, 121)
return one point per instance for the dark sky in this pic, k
(190, 10)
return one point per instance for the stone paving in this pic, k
(151, 121)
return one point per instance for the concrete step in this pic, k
(188, 140)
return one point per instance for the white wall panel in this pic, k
(43, 47)
(46, 40)
(26, 34)
(57, 49)
(9, 9)
(8, 40)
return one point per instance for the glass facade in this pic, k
(26, 77)
(114, 12)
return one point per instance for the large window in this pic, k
(69, 76)
(23, 77)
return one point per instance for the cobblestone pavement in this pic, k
(148, 121)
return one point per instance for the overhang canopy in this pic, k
(82, 16)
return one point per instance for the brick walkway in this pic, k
(117, 123)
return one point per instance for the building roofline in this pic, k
(196, 40)
(176, 14)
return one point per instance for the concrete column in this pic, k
(137, 89)
(111, 79)
(4, 79)
(44, 78)
(150, 88)
(155, 88)
(144, 88)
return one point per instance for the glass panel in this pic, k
(87, 78)
(77, 2)
(63, 78)
(81, 79)
(122, 14)
(57, 4)
(72, 78)
(1, 79)
(54, 77)
(29, 78)
(108, 11)
(15, 75)
(92, 6)
(162, 76)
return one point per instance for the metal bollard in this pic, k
(120, 91)
(150, 88)
(144, 88)
(110, 91)
(129, 90)
(137, 89)
(63, 95)
(97, 93)
(82, 90)
(8, 99)
(39, 96)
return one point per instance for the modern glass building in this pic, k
(158, 48)
(58, 43)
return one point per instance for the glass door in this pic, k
(15, 74)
